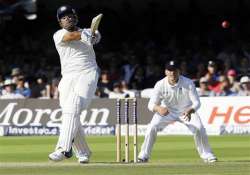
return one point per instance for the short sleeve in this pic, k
(58, 36)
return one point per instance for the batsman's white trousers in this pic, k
(194, 125)
(76, 92)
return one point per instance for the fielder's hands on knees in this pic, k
(186, 116)
(163, 111)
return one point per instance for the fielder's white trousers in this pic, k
(194, 125)
(76, 92)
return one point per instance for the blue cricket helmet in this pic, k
(65, 9)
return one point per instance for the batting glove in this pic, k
(87, 37)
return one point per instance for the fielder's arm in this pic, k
(195, 102)
(194, 98)
(163, 111)
(155, 100)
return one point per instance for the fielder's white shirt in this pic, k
(177, 98)
(75, 56)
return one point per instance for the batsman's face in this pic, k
(173, 76)
(68, 22)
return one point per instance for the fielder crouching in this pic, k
(78, 84)
(175, 99)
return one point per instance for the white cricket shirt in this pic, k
(177, 98)
(75, 56)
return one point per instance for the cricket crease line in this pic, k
(108, 164)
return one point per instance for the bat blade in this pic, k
(95, 23)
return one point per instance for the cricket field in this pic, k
(171, 155)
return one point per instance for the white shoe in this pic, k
(84, 158)
(145, 160)
(211, 159)
(57, 156)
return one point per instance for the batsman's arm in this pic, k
(90, 38)
(84, 36)
(63, 36)
(96, 37)
(72, 36)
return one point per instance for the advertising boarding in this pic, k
(220, 115)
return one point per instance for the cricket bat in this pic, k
(95, 23)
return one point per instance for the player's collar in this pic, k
(175, 85)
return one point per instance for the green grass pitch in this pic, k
(171, 155)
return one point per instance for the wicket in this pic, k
(118, 128)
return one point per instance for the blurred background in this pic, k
(209, 38)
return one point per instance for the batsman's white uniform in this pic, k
(177, 99)
(76, 88)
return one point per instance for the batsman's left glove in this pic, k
(92, 39)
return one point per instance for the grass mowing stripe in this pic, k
(171, 155)
(220, 168)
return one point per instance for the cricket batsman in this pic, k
(78, 84)
(175, 99)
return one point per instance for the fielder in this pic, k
(78, 84)
(175, 99)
